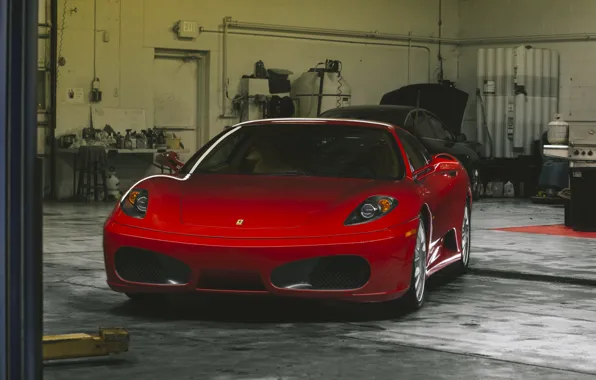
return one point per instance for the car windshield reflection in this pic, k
(306, 150)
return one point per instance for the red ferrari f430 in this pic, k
(327, 208)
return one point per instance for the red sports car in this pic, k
(328, 208)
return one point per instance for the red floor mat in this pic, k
(556, 229)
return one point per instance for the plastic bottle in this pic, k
(509, 190)
(489, 189)
(128, 140)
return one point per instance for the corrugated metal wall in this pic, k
(520, 93)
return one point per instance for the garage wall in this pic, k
(133, 30)
(523, 19)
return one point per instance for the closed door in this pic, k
(175, 98)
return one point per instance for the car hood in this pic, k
(262, 202)
(447, 103)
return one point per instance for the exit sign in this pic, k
(187, 29)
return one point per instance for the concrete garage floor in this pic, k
(474, 327)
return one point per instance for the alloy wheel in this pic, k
(465, 237)
(420, 263)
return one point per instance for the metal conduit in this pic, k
(572, 37)
(408, 46)
(337, 33)
(514, 39)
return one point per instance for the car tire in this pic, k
(466, 240)
(136, 296)
(416, 294)
(144, 297)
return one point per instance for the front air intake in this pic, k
(143, 266)
(342, 272)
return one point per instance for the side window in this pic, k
(439, 129)
(423, 127)
(416, 152)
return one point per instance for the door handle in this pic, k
(452, 173)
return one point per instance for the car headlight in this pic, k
(371, 209)
(136, 202)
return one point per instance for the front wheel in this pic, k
(137, 296)
(416, 295)
(466, 239)
(146, 298)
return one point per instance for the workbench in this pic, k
(112, 151)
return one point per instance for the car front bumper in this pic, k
(375, 266)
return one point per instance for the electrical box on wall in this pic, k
(186, 29)
(95, 91)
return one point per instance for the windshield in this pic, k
(320, 150)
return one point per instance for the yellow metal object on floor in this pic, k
(73, 346)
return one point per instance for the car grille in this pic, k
(342, 272)
(143, 266)
(223, 279)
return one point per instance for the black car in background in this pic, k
(431, 112)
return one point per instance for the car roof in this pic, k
(318, 120)
(392, 111)
(374, 107)
(395, 115)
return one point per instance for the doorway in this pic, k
(180, 96)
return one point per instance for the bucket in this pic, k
(173, 142)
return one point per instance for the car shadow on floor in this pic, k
(264, 309)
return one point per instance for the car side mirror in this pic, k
(445, 162)
(440, 162)
(461, 137)
(441, 158)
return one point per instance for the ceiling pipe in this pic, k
(224, 70)
(515, 39)
(410, 61)
(573, 37)
(337, 32)
(441, 75)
